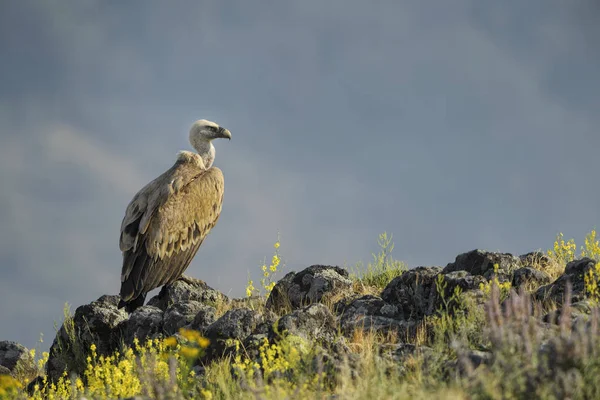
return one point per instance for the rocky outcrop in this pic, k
(101, 323)
(235, 324)
(95, 323)
(192, 314)
(479, 262)
(186, 290)
(372, 313)
(422, 291)
(144, 323)
(299, 307)
(309, 286)
(314, 322)
(413, 292)
(574, 275)
(11, 353)
(531, 276)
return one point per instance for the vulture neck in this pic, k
(206, 150)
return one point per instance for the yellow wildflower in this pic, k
(250, 288)
(190, 334)
(189, 352)
(203, 342)
(170, 341)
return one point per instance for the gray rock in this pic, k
(480, 262)
(252, 345)
(179, 315)
(413, 292)
(236, 324)
(185, 290)
(578, 312)
(477, 358)
(203, 318)
(372, 313)
(10, 354)
(529, 275)
(462, 279)
(95, 323)
(144, 323)
(574, 274)
(401, 351)
(297, 290)
(416, 292)
(468, 361)
(313, 322)
(4, 370)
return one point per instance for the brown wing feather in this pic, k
(173, 233)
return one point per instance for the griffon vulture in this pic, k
(167, 220)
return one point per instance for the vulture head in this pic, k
(201, 135)
(205, 131)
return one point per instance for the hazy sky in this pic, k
(453, 125)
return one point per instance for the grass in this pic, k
(381, 270)
(528, 359)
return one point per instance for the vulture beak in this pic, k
(223, 133)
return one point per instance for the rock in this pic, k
(468, 361)
(203, 318)
(529, 275)
(462, 279)
(578, 312)
(480, 262)
(416, 292)
(540, 261)
(4, 370)
(372, 313)
(297, 290)
(185, 290)
(477, 358)
(10, 354)
(574, 273)
(179, 315)
(413, 292)
(368, 305)
(30, 388)
(236, 324)
(252, 344)
(144, 323)
(313, 322)
(401, 351)
(95, 323)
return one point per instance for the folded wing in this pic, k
(164, 226)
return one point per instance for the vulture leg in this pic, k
(131, 305)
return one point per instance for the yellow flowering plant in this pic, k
(269, 273)
(563, 251)
(504, 287)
